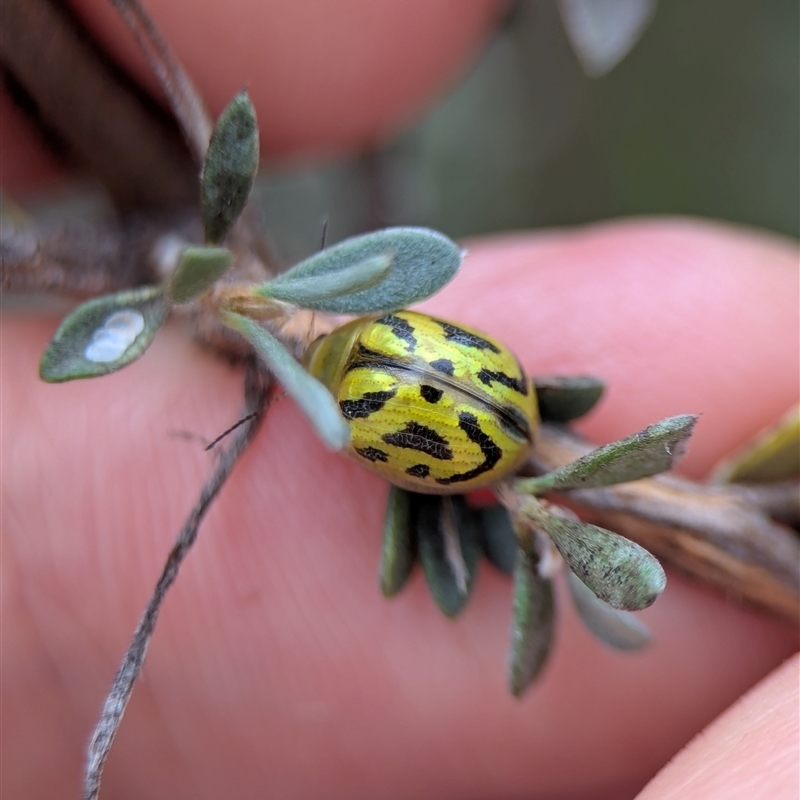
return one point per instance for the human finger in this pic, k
(274, 649)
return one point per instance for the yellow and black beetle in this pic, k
(433, 407)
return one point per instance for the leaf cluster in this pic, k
(379, 271)
(532, 538)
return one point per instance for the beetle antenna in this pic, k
(230, 430)
(241, 422)
(324, 233)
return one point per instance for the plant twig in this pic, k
(715, 533)
(102, 118)
(256, 385)
(81, 260)
(185, 101)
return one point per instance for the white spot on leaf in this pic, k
(118, 333)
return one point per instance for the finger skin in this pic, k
(324, 77)
(749, 752)
(276, 668)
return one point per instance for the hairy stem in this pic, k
(257, 382)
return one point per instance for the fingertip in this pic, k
(324, 77)
(749, 751)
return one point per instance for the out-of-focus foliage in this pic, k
(602, 32)
(701, 118)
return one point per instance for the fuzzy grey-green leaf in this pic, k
(447, 536)
(316, 291)
(230, 167)
(532, 624)
(422, 262)
(199, 268)
(655, 449)
(398, 552)
(617, 570)
(104, 335)
(313, 398)
(618, 629)
(566, 397)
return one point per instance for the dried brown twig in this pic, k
(256, 386)
(81, 260)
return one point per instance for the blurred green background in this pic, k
(701, 118)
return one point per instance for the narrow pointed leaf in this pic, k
(447, 534)
(422, 262)
(532, 624)
(230, 167)
(313, 398)
(563, 398)
(104, 335)
(498, 539)
(399, 541)
(655, 449)
(316, 291)
(199, 268)
(618, 629)
(616, 569)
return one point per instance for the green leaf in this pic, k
(230, 167)
(399, 541)
(104, 335)
(311, 291)
(773, 455)
(447, 533)
(532, 623)
(563, 398)
(422, 262)
(618, 629)
(616, 569)
(313, 398)
(655, 449)
(498, 539)
(199, 268)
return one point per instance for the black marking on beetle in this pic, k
(419, 471)
(491, 452)
(488, 376)
(514, 422)
(430, 393)
(443, 365)
(419, 437)
(401, 328)
(372, 454)
(466, 339)
(366, 405)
